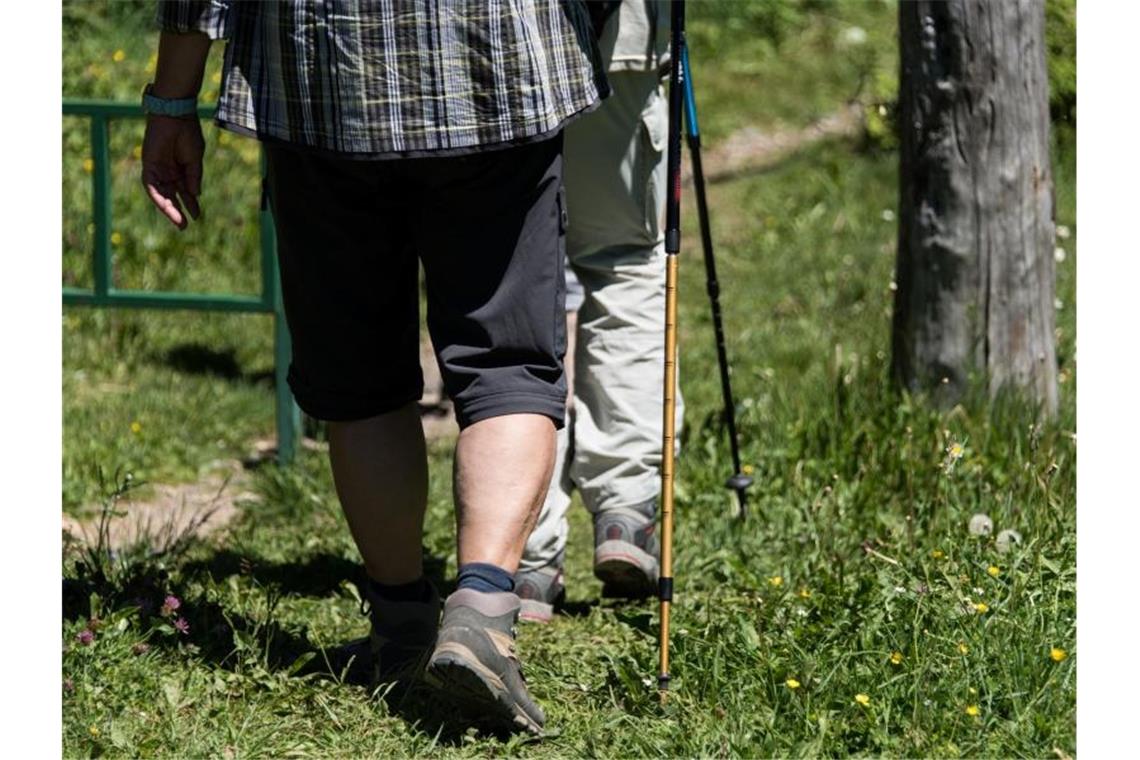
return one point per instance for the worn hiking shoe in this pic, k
(540, 591)
(626, 551)
(402, 635)
(475, 660)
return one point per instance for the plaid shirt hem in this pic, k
(378, 77)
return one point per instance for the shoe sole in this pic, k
(534, 611)
(479, 691)
(626, 571)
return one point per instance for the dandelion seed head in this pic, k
(1006, 540)
(981, 525)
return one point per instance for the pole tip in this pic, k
(663, 682)
(738, 482)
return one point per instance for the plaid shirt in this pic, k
(398, 77)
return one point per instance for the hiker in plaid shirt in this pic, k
(399, 133)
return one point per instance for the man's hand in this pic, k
(172, 166)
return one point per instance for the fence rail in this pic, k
(105, 295)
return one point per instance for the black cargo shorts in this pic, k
(489, 229)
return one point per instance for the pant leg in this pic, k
(547, 541)
(615, 185)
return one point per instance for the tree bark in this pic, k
(975, 271)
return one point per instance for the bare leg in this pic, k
(380, 469)
(502, 469)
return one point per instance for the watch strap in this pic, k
(176, 107)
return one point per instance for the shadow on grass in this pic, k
(197, 359)
(317, 575)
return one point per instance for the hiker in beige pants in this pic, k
(610, 449)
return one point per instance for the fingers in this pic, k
(193, 171)
(166, 201)
(189, 200)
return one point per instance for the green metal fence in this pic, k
(104, 294)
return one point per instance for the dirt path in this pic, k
(749, 149)
(168, 513)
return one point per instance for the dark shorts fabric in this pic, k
(489, 230)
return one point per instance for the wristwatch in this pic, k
(175, 107)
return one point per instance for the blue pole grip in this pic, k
(690, 101)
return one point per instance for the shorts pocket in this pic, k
(650, 179)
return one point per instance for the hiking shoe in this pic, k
(626, 551)
(476, 663)
(540, 591)
(402, 635)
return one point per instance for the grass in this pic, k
(857, 548)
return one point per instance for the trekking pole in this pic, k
(738, 481)
(672, 248)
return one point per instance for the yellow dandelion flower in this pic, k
(747, 469)
(776, 580)
(981, 608)
(118, 56)
(994, 570)
(1057, 654)
(151, 63)
(962, 648)
(937, 554)
(136, 427)
(956, 450)
(896, 658)
(88, 165)
(805, 593)
(863, 699)
(94, 730)
(137, 152)
(973, 711)
(792, 684)
(116, 239)
(216, 78)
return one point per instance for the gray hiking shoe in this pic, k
(626, 551)
(475, 660)
(402, 635)
(540, 591)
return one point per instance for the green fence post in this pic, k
(288, 414)
(101, 188)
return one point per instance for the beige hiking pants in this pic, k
(610, 449)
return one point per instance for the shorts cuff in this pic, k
(341, 407)
(499, 404)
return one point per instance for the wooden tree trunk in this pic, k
(975, 270)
